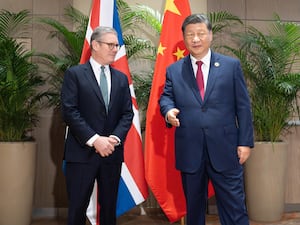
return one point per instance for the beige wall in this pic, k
(196, 5)
(50, 186)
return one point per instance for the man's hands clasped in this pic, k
(105, 146)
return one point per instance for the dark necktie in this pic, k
(103, 87)
(199, 78)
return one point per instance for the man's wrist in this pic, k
(91, 141)
(116, 138)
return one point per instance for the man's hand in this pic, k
(172, 117)
(243, 153)
(105, 146)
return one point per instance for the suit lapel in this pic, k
(189, 76)
(89, 74)
(213, 75)
(114, 84)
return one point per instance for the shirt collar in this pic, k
(96, 66)
(205, 59)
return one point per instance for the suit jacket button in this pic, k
(203, 109)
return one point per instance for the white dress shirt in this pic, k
(204, 67)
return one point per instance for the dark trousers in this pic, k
(229, 191)
(80, 178)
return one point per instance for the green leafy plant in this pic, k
(20, 99)
(70, 52)
(269, 64)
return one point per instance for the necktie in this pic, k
(199, 78)
(103, 87)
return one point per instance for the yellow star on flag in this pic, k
(179, 53)
(160, 49)
(170, 6)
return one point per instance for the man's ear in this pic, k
(94, 44)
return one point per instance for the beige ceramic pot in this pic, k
(17, 175)
(265, 180)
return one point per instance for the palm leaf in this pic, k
(221, 20)
(20, 98)
(139, 48)
(267, 61)
(70, 52)
(13, 24)
(139, 15)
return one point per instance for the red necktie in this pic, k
(199, 78)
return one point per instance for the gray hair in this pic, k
(196, 18)
(100, 31)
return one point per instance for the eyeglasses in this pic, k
(111, 46)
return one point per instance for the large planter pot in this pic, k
(17, 175)
(265, 173)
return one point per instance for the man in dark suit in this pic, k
(98, 121)
(213, 123)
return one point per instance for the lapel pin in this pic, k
(217, 64)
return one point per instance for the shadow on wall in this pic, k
(57, 133)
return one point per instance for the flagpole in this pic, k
(182, 222)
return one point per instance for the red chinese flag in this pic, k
(162, 177)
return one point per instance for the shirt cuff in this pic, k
(91, 141)
(117, 138)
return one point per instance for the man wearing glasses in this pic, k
(97, 108)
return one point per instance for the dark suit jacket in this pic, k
(85, 114)
(223, 118)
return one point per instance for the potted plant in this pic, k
(268, 61)
(19, 107)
